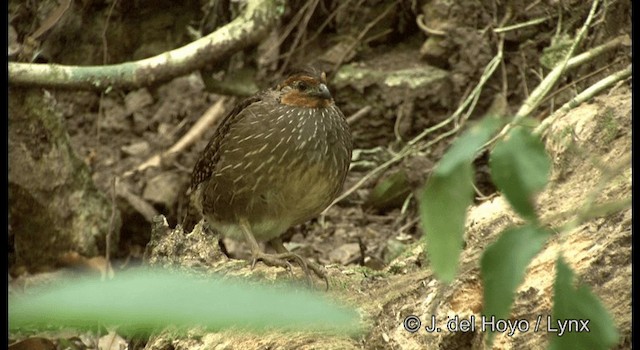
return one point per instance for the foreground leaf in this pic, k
(504, 264)
(579, 307)
(520, 168)
(446, 196)
(465, 148)
(443, 209)
(140, 301)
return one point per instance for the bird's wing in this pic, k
(206, 163)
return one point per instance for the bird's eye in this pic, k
(302, 86)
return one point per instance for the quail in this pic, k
(278, 159)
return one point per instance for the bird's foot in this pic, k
(283, 256)
(283, 260)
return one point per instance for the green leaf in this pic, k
(504, 264)
(140, 301)
(520, 168)
(577, 306)
(464, 149)
(443, 207)
(446, 196)
(390, 192)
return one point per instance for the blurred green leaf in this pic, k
(580, 308)
(520, 168)
(446, 196)
(390, 192)
(443, 208)
(504, 264)
(464, 149)
(142, 300)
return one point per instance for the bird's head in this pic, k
(305, 90)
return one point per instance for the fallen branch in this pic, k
(208, 118)
(257, 20)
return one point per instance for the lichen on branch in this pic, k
(257, 20)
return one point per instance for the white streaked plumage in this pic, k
(277, 165)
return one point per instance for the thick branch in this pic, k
(259, 17)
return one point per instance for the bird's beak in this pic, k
(323, 92)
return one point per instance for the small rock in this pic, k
(14, 45)
(393, 249)
(344, 253)
(137, 149)
(165, 112)
(112, 341)
(137, 100)
(141, 122)
(163, 189)
(164, 129)
(115, 118)
(374, 263)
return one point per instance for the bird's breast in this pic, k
(279, 162)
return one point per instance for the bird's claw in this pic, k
(282, 260)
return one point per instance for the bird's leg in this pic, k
(257, 253)
(276, 243)
(282, 258)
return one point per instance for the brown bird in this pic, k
(277, 160)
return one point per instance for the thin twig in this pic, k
(105, 51)
(428, 30)
(521, 25)
(585, 95)
(534, 100)
(287, 30)
(112, 221)
(352, 119)
(488, 72)
(532, 5)
(301, 30)
(572, 63)
(577, 81)
(543, 89)
(364, 32)
(52, 19)
(319, 29)
(368, 176)
(408, 225)
(439, 138)
(105, 56)
(468, 103)
(523, 76)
